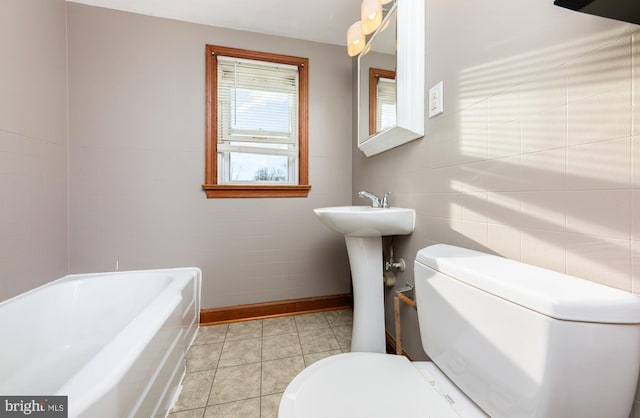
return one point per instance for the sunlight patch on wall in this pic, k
(542, 157)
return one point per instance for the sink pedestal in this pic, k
(363, 228)
(365, 258)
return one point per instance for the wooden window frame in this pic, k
(374, 75)
(211, 186)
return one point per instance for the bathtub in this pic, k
(114, 343)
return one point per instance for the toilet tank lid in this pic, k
(548, 292)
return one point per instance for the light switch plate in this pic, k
(435, 100)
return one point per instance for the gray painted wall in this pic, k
(33, 144)
(536, 156)
(136, 94)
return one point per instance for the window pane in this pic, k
(259, 110)
(386, 103)
(258, 167)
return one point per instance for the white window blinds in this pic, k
(385, 103)
(257, 109)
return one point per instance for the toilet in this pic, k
(505, 339)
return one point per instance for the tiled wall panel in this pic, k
(33, 144)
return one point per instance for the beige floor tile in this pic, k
(309, 359)
(241, 369)
(341, 317)
(244, 330)
(192, 413)
(317, 340)
(282, 325)
(195, 391)
(210, 334)
(278, 373)
(280, 346)
(235, 383)
(308, 322)
(249, 408)
(270, 405)
(343, 335)
(235, 353)
(203, 357)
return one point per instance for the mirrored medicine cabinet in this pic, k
(391, 80)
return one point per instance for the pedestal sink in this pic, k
(363, 228)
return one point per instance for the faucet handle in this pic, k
(385, 200)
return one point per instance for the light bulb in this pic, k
(371, 14)
(355, 39)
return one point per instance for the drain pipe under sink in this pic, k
(400, 296)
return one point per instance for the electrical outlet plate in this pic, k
(435, 100)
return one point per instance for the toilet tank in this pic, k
(522, 341)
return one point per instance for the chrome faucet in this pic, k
(376, 202)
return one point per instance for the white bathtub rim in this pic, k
(76, 276)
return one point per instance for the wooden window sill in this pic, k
(239, 191)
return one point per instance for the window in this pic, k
(382, 99)
(256, 131)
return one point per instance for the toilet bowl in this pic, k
(374, 385)
(506, 340)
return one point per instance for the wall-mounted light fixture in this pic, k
(370, 18)
(370, 15)
(355, 39)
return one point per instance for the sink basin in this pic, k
(365, 221)
(363, 228)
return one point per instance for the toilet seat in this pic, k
(368, 385)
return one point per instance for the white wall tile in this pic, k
(505, 139)
(545, 91)
(465, 234)
(431, 227)
(603, 70)
(497, 175)
(544, 249)
(472, 133)
(545, 210)
(599, 165)
(544, 129)
(599, 212)
(601, 117)
(544, 170)
(474, 206)
(505, 241)
(603, 260)
(505, 208)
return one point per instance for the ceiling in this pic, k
(314, 20)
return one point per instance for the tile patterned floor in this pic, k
(241, 369)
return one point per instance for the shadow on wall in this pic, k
(539, 161)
